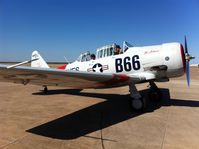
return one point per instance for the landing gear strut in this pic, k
(154, 92)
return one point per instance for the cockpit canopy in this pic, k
(84, 57)
(113, 49)
(104, 51)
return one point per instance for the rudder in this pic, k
(40, 62)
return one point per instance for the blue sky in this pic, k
(60, 28)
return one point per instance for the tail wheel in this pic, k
(45, 90)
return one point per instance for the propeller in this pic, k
(188, 57)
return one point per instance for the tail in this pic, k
(40, 62)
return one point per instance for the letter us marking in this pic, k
(127, 64)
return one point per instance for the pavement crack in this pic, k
(101, 130)
(162, 144)
(14, 141)
(92, 137)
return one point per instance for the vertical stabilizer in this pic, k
(38, 63)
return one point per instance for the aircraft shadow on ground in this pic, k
(101, 115)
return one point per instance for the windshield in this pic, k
(126, 46)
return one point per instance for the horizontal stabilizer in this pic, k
(22, 63)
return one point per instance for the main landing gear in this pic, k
(154, 92)
(139, 102)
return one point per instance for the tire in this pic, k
(137, 104)
(45, 90)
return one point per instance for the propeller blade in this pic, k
(188, 73)
(185, 45)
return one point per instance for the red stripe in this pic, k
(117, 78)
(63, 67)
(182, 56)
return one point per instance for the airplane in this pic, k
(112, 66)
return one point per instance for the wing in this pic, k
(55, 77)
(73, 79)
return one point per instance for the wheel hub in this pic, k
(137, 104)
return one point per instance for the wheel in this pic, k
(137, 104)
(155, 95)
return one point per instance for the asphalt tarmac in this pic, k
(99, 119)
